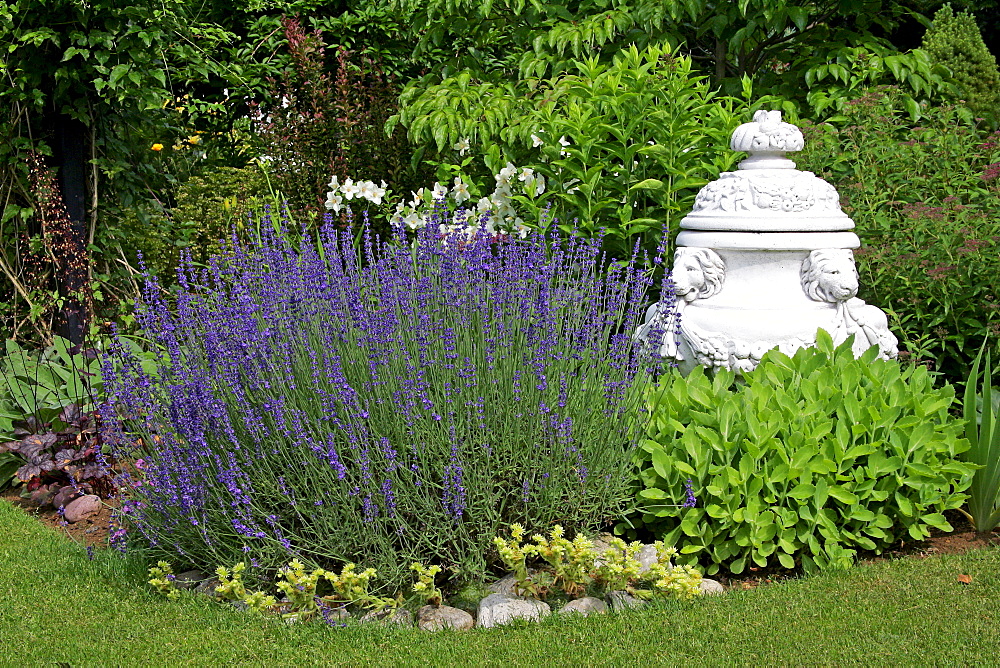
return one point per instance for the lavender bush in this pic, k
(399, 403)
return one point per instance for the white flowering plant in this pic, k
(457, 206)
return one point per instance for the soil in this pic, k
(94, 532)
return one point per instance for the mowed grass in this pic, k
(59, 607)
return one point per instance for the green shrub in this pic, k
(623, 145)
(924, 200)
(813, 458)
(954, 40)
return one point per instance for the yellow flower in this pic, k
(194, 140)
(157, 147)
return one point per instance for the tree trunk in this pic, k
(720, 62)
(73, 257)
(61, 210)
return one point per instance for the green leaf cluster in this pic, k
(42, 383)
(811, 459)
(954, 41)
(982, 429)
(923, 196)
(623, 145)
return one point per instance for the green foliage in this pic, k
(954, 41)
(623, 145)
(40, 384)
(207, 210)
(813, 458)
(736, 38)
(835, 78)
(924, 199)
(982, 429)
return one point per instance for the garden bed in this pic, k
(94, 532)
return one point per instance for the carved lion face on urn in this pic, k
(829, 275)
(698, 273)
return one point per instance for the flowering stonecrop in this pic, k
(162, 577)
(577, 566)
(424, 587)
(398, 399)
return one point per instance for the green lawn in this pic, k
(59, 607)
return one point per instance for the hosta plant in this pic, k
(813, 458)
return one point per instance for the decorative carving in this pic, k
(830, 275)
(767, 134)
(735, 192)
(698, 273)
(768, 216)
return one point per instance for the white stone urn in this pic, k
(763, 260)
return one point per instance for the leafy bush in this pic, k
(925, 203)
(320, 123)
(623, 145)
(954, 40)
(815, 457)
(379, 409)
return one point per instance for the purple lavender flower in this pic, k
(690, 501)
(416, 390)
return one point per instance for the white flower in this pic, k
(334, 184)
(439, 191)
(462, 146)
(366, 189)
(564, 142)
(418, 198)
(334, 201)
(526, 173)
(539, 184)
(506, 174)
(350, 189)
(412, 220)
(460, 191)
(484, 204)
(536, 141)
(521, 229)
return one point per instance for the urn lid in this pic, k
(767, 193)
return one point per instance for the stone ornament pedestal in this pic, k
(763, 260)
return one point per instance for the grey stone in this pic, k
(505, 585)
(585, 606)
(497, 609)
(710, 587)
(436, 618)
(64, 496)
(646, 556)
(82, 508)
(189, 579)
(397, 616)
(207, 587)
(620, 600)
